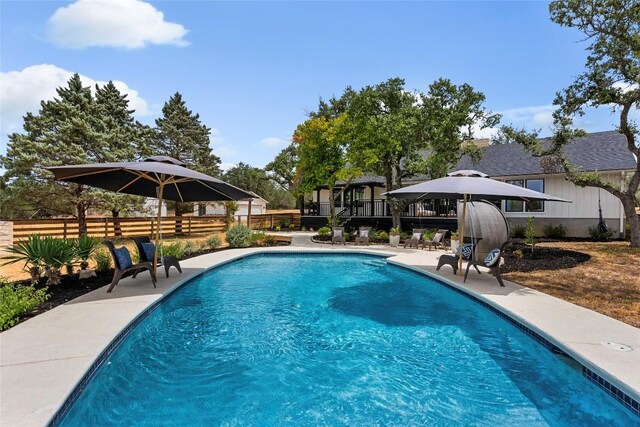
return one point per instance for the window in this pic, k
(359, 194)
(520, 206)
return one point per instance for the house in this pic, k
(363, 203)
(258, 207)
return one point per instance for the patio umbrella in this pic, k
(464, 184)
(162, 177)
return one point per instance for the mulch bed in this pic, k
(71, 287)
(542, 258)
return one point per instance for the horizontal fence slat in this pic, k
(129, 227)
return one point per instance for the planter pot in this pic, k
(454, 246)
(394, 241)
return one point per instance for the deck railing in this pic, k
(380, 208)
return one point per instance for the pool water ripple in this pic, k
(333, 340)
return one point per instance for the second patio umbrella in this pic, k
(464, 184)
(161, 177)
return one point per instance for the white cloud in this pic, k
(273, 141)
(129, 24)
(22, 91)
(539, 115)
(226, 166)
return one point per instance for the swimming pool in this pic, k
(333, 340)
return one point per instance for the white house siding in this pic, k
(578, 215)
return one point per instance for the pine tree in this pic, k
(72, 128)
(181, 135)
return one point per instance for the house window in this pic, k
(359, 194)
(520, 206)
(202, 209)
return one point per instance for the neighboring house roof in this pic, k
(598, 151)
(255, 196)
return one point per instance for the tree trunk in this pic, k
(181, 209)
(395, 205)
(82, 219)
(117, 229)
(301, 203)
(332, 209)
(633, 219)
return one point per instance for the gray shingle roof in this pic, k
(598, 151)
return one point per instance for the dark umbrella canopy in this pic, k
(160, 177)
(143, 179)
(465, 185)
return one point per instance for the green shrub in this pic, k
(285, 223)
(303, 228)
(518, 231)
(257, 238)
(239, 236)
(190, 247)
(102, 257)
(214, 242)
(84, 247)
(555, 231)
(29, 252)
(324, 231)
(598, 235)
(383, 235)
(530, 233)
(16, 300)
(175, 249)
(429, 234)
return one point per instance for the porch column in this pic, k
(351, 204)
(318, 201)
(373, 209)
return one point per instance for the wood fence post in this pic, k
(106, 228)
(189, 232)
(271, 221)
(64, 232)
(153, 236)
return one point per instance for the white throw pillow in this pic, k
(364, 233)
(437, 237)
(337, 233)
(416, 236)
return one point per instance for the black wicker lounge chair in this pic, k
(147, 255)
(337, 235)
(468, 252)
(438, 241)
(363, 236)
(492, 262)
(123, 265)
(416, 238)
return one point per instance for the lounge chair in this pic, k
(146, 250)
(123, 265)
(468, 253)
(337, 235)
(492, 262)
(415, 239)
(363, 235)
(439, 240)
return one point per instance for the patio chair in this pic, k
(363, 235)
(492, 262)
(123, 265)
(337, 235)
(415, 239)
(439, 240)
(146, 250)
(468, 249)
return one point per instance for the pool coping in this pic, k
(620, 383)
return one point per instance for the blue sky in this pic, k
(253, 69)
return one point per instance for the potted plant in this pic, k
(454, 241)
(85, 247)
(394, 237)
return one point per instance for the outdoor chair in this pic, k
(146, 250)
(363, 235)
(123, 265)
(468, 249)
(337, 235)
(439, 240)
(492, 262)
(415, 239)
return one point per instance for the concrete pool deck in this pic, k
(42, 359)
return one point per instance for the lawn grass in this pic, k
(608, 283)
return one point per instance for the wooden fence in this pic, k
(128, 227)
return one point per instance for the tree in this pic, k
(72, 128)
(181, 135)
(255, 179)
(611, 79)
(392, 128)
(283, 170)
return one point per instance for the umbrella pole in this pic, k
(464, 219)
(158, 230)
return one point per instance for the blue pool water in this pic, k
(333, 340)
